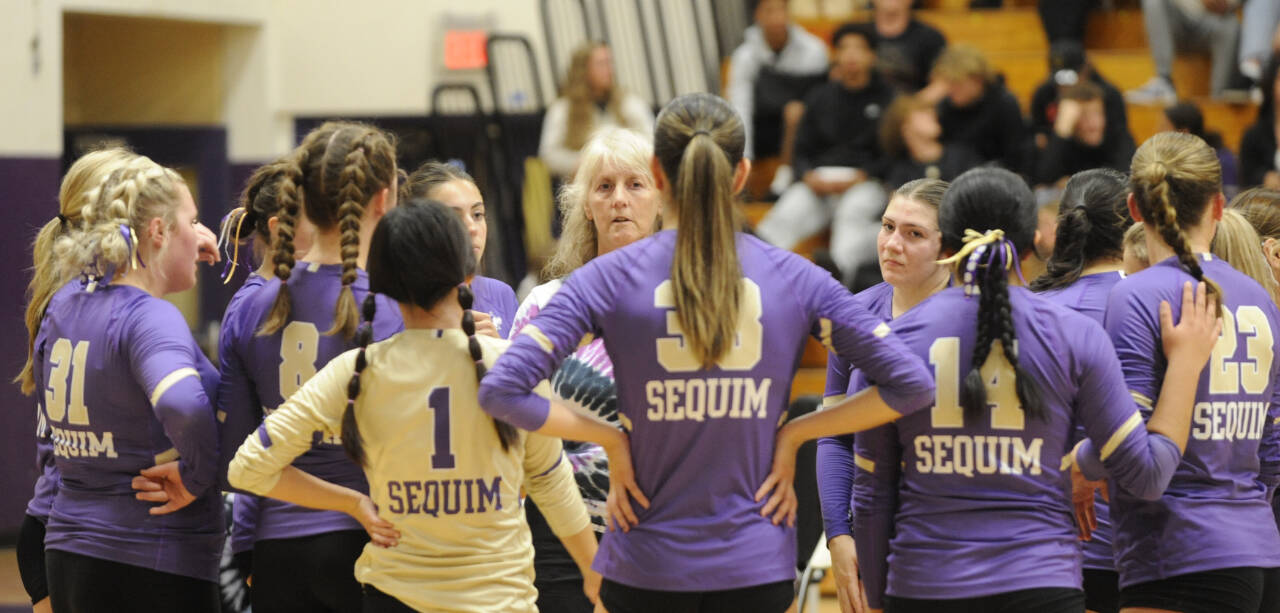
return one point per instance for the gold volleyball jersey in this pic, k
(436, 470)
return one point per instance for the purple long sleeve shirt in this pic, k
(701, 439)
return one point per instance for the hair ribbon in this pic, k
(978, 252)
(237, 214)
(131, 240)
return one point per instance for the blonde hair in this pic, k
(47, 273)
(1261, 207)
(1135, 240)
(699, 140)
(123, 204)
(609, 147)
(1237, 243)
(1173, 178)
(963, 61)
(581, 117)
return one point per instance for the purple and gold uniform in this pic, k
(836, 464)
(1088, 296)
(244, 508)
(497, 299)
(46, 486)
(260, 372)
(702, 439)
(126, 388)
(982, 505)
(1215, 513)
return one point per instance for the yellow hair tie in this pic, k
(133, 252)
(972, 240)
(975, 248)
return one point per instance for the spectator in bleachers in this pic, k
(979, 110)
(1068, 66)
(1080, 139)
(1201, 24)
(590, 100)
(1259, 164)
(1258, 36)
(1064, 19)
(770, 74)
(1185, 116)
(910, 138)
(906, 47)
(837, 155)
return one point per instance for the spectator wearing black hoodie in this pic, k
(979, 110)
(1080, 139)
(837, 157)
(1259, 162)
(1068, 67)
(909, 138)
(906, 47)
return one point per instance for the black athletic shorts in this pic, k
(1102, 590)
(378, 601)
(31, 559)
(308, 574)
(1040, 600)
(81, 584)
(766, 598)
(1224, 590)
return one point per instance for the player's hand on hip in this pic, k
(382, 532)
(779, 485)
(591, 581)
(622, 486)
(485, 325)
(169, 478)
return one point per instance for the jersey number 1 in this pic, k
(438, 402)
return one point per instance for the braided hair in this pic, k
(1000, 203)
(415, 232)
(1174, 177)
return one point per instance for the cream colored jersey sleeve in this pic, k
(550, 484)
(287, 432)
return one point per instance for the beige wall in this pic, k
(262, 61)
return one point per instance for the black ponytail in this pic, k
(352, 442)
(507, 434)
(1092, 221)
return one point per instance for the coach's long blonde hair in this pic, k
(698, 141)
(579, 240)
(47, 273)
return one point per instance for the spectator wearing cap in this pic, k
(837, 156)
(906, 47)
(770, 74)
(1068, 66)
(1202, 24)
(1186, 117)
(1080, 139)
(979, 111)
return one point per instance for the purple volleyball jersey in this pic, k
(1215, 513)
(46, 486)
(259, 372)
(497, 299)
(244, 508)
(1088, 296)
(701, 439)
(982, 504)
(127, 388)
(836, 465)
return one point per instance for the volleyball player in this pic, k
(908, 246)
(981, 520)
(1208, 543)
(686, 316)
(128, 388)
(446, 478)
(283, 332)
(495, 301)
(1087, 262)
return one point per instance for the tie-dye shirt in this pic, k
(585, 381)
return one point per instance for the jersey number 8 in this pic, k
(298, 348)
(674, 354)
